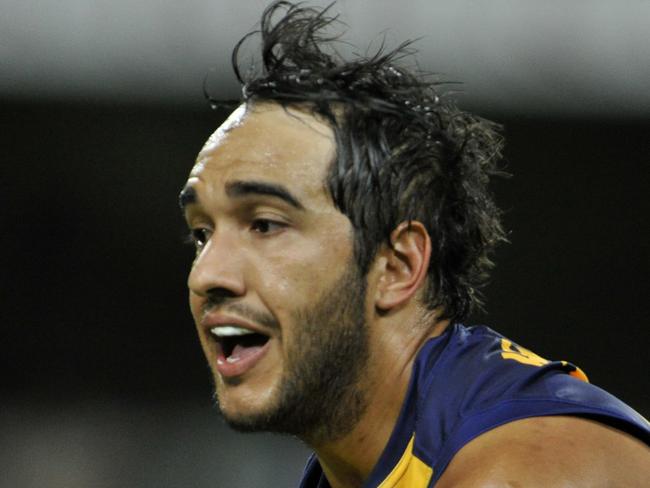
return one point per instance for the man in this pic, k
(343, 228)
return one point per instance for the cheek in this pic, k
(295, 282)
(301, 264)
(281, 288)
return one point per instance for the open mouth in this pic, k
(237, 343)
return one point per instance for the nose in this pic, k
(217, 269)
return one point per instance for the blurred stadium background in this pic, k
(103, 381)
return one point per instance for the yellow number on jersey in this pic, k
(520, 354)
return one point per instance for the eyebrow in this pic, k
(235, 189)
(187, 197)
(246, 188)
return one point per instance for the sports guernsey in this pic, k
(470, 380)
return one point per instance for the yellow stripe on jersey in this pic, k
(409, 472)
(577, 372)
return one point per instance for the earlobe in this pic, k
(403, 269)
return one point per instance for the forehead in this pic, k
(267, 142)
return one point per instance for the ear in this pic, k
(402, 268)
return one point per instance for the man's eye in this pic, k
(265, 226)
(199, 236)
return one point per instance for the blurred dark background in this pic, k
(104, 383)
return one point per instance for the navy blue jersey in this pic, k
(470, 380)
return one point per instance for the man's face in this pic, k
(276, 297)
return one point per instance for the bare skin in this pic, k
(550, 451)
(273, 257)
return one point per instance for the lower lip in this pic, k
(230, 370)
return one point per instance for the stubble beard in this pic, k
(321, 395)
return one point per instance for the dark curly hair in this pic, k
(404, 151)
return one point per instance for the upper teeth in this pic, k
(230, 330)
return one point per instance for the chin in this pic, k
(250, 419)
(245, 409)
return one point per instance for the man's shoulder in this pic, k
(478, 380)
(483, 389)
(550, 451)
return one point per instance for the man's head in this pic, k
(336, 193)
(274, 257)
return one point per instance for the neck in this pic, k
(349, 460)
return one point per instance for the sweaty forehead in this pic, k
(267, 141)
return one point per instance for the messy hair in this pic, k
(404, 151)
